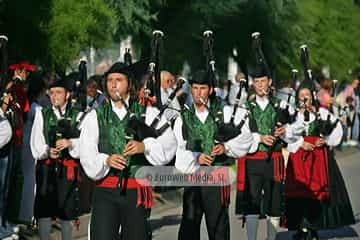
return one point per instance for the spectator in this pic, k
(346, 100)
(285, 91)
(234, 88)
(324, 94)
(94, 96)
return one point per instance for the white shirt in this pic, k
(170, 112)
(158, 151)
(333, 139)
(5, 129)
(39, 148)
(234, 89)
(187, 161)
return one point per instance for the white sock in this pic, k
(273, 224)
(252, 222)
(44, 228)
(66, 230)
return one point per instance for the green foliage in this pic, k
(75, 25)
(54, 32)
(330, 29)
(232, 22)
(134, 16)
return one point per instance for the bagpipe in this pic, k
(208, 52)
(155, 122)
(136, 125)
(152, 87)
(13, 105)
(4, 61)
(282, 114)
(287, 117)
(225, 131)
(127, 57)
(78, 101)
(230, 130)
(79, 97)
(325, 126)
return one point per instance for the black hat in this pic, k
(202, 77)
(118, 67)
(67, 82)
(260, 70)
(133, 71)
(306, 84)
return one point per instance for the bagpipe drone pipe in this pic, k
(325, 126)
(225, 131)
(13, 106)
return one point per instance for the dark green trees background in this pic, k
(52, 33)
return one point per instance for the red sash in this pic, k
(70, 165)
(279, 167)
(144, 190)
(307, 173)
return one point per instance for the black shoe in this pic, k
(314, 235)
(299, 235)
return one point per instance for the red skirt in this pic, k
(307, 173)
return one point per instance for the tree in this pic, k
(232, 22)
(133, 16)
(330, 29)
(75, 25)
(52, 33)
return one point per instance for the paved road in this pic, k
(166, 216)
(166, 223)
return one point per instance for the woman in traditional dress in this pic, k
(316, 195)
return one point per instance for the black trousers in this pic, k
(112, 208)
(56, 196)
(262, 194)
(204, 200)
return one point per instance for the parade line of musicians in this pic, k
(126, 131)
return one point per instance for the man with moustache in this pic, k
(111, 156)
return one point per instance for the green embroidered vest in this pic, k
(265, 120)
(112, 135)
(313, 129)
(200, 136)
(51, 128)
